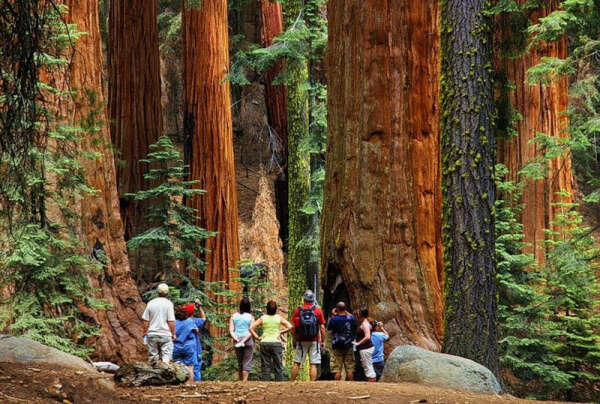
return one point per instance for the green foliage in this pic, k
(42, 258)
(175, 237)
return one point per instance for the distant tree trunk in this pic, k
(542, 108)
(381, 223)
(468, 151)
(134, 102)
(276, 100)
(102, 227)
(298, 171)
(208, 134)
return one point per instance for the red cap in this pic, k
(189, 308)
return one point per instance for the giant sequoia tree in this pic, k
(100, 219)
(208, 133)
(542, 108)
(381, 220)
(134, 99)
(468, 150)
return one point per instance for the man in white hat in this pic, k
(159, 326)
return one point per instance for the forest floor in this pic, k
(40, 384)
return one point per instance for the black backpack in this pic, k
(309, 326)
(343, 340)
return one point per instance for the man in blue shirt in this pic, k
(378, 337)
(343, 331)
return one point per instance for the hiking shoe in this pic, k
(240, 345)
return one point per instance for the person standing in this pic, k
(309, 335)
(199, 321)
(239, 329)
(184, 347)
(271, 349)
(343, 331)
(364, 346)
(159, 326)
(378, 337)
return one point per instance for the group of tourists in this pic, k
(174, 334)
(354, 339)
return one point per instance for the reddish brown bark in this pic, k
(381, 227)
(542, 108)
(208, 129)
(134, 99)
(102, 228)
(276, 100)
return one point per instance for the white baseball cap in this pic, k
(163, 289)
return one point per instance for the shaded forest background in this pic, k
(435, 162)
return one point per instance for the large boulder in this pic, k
(417, 365)
(29, 352)
(144, 374)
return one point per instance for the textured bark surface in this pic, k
(102, 228)
(276, 99)
(381, 224)
(134, 99)
(468, 151)
(298, 172)
(209, 136)
(542, 108)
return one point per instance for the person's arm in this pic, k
(322, 334)
(255, 324)
(367, 331)
(201, 313)
(172, 328)
(146, 325)
(232, 330)
(287, 326)
(383, 330)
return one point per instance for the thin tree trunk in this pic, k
(468, 158)
(276, 100)
(102, 227)
(298, 170)
(542, 109)
(381, 223)
(134, 107)
(209, 136)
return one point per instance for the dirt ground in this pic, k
(28, 384)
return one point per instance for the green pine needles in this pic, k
(43, 269)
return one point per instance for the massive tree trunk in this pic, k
(276, 100)
(381, 223)
(208, 134)
(468, 151)
(134, 99)
(542, 108)
(102, 227)
(298, 170)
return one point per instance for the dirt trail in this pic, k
(27, 384)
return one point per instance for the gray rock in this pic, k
(144, 374)
(417, 365)
(29, 352)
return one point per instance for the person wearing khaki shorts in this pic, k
(342, 325)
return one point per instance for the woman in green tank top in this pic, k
(271, 349)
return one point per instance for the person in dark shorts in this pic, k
(343, 331)
(239, 329)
